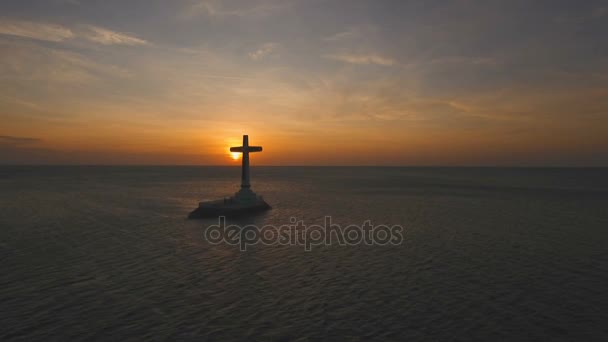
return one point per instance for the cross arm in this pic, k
(246, 149)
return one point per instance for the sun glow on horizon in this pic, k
(92, 84)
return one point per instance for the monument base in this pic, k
(244, 202)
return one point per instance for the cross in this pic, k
(245, 149)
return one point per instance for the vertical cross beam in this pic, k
(245, 163)
(245, 150)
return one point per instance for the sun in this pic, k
(235, 155)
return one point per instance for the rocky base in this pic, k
(230, 207)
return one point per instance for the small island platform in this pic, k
(229, 207)
(244, 202)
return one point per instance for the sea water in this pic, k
(101, 252)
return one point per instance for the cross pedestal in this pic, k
(245, 194)
(244, 201)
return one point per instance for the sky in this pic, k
(315, 82)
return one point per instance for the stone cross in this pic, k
(245, 150)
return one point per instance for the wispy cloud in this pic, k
(263, 51)
(214, 8)
(362, 59)
(40, 31)
(13, 140)
(28, 62)
(108, 37)
(78, 61)
(460, 60)
(350, 33)
(60, 33)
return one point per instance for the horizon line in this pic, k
(295, 165)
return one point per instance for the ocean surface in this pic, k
(106, 253)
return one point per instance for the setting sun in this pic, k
(235, 155)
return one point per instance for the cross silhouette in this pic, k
(245, 150)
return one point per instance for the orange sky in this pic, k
(353, 83)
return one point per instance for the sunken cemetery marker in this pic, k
(244, 201)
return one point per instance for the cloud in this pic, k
(13, 140)
(79, 61)
(214, 8)
(263, 51)
(39, 31)
(108, 37)
(350, 33)
(32, 63)
(460, 60)
(59, 33)
(362, 59)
